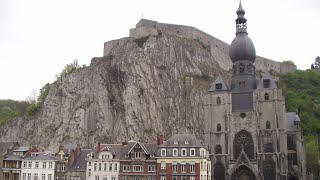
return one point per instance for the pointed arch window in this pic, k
(268, 126)
(243, 141)
(218, 100)
(266, 96)
(269, 169)
(219, 128)
(218, 149)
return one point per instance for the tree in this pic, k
(317, 62)
(312, 66)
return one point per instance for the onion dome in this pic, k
(242, 47)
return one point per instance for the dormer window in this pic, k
(175, 142)
(241, 68)
(266, 83)
(268, 126)
(163, 152)
(266, 97)
(218, 86)
(218, 100)
(218, 127)
(186, 142)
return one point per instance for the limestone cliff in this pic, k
(131, 93)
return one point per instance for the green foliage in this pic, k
(288, 62)
(205, 46)
(317, 62)
(141, 41)
(70, 68)
(36, 105)
(302, 92)
(10, 109)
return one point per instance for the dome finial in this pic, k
(241, 21)
(240, 9)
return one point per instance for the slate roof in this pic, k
(291, 118)
(41, 156)
(219, 80)
(4, 146)
(67, 149)
(12, 157)
(149, 149)
(115, 149)
(79, 163)
(266, 76)
(193, 141)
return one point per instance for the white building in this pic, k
(38, 166)
(103, 163)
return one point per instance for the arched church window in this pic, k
(241, 68)
(219, 171)
(218, 127)
(269, 169)
(218, 100)
(234, 68)
(266, 96)
(249, 67)
(268, 126)
(218, 149)
(243, 142)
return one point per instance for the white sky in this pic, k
(39, 37)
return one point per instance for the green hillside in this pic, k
(10, 108)
(302, 92)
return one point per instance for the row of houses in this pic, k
(181, 157)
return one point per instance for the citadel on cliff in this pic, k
(138, 91)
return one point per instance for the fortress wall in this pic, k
(146, 27)
(286, 68)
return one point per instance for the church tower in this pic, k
(247, 130)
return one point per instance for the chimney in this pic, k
(124, 143)
(98, 148)
(160, 139)
(60, 148)
(78, 150)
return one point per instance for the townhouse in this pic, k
(183, 157)
(103, 162)
(38, 166)
(5, 149)
(138, 161)
(65, 158)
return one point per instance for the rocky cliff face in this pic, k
(131, 93)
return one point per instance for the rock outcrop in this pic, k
(131, 93)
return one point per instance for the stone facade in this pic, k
(247, 129)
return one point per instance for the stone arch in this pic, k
(269, 169)
(243, 173)
(243, 141)
(218, 100)
(268, 126)
(218, 127)
(218, 149)
(219, 171)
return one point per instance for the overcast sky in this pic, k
(39, 37)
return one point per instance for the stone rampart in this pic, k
(147, 27)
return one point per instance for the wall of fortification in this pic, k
(146, 27)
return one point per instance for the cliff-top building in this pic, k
(248, 132)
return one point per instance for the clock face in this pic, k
(242, 84)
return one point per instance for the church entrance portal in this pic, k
(243, 173)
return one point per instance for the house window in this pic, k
(175, 152)
(218, 127)
(174, 178)
(137, 155)
(174, 166)
(37, 165)
(115, 167)
(99, 167)
(152, 168)
(30, 165)
(49, 176)
(94, 166)
(163, 152)
(192, 178)
(175, 142)
(89, 174)
(218, 149)
(192, 152)
(29, 176)
(186, 142)
(218, 86)
(24, 176)
(43, 177)
(96, 177)
(163, 165)
(50, 165)
(163, 177)
(183, 178)
(192, 167)
(63, 168)
(183, 167)
(268, 125)
(24, 164)
(266, 96)
(218, 100)
(183, 152)
(137, 168)
(110, 167)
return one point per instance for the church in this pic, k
(249, 134)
